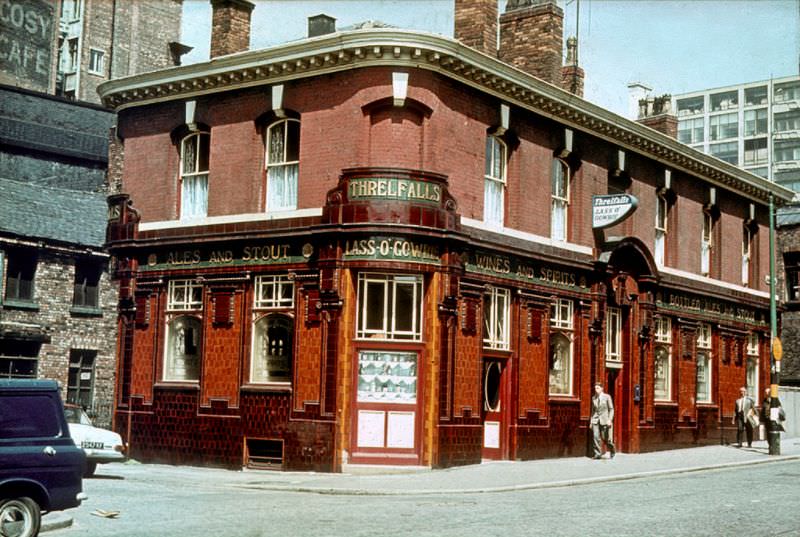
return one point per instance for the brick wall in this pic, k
(475, 23)
(531, 38)
(134, 36)
(230, 26)
(53, 294)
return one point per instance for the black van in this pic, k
(40, 466)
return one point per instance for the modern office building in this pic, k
(755, 126)
(385, 246)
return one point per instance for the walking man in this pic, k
(744, 406)
(602, 422)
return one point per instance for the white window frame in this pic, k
(661, 229)
(171, 358)
(187, 288)
(192, 180)
(747, 239)
(667, 395)
(494, 181)
(97, 61)
(706, 243)
(559, 205)
(389, 330)
(753, 363)
(497, 312)
(663, 338)
(561, 322)
(279, 172)
(256, 359)
(277, 284)
(704, 336)
(614, 335)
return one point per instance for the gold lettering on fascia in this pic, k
(391, 249)
(703, 305)
(394, 188)
(502, 265)
(272, 252)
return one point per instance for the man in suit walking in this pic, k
(602, 422)
(744, 406)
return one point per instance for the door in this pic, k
(614, 388)
(494, 408)
(386, 409)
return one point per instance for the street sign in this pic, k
(612, 209)
(777, 348)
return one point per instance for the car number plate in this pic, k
(92, 445)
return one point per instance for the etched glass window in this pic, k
(194, 176)
(560, 366)
(282, 163)
(183, 341)
(614, 335)
(272, 349)
(662, 373)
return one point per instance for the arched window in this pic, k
(182, 361)
(494, 181)
(194, 175)
(560, 200)
(272, 349)
(282, 162)
(561, 313)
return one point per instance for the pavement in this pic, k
(488, 477)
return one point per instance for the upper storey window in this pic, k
(282, 163)
(194, 175)
(661, 229)
(494, 181)
(560, 200)
(706, 243)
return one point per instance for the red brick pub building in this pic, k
(376, 246)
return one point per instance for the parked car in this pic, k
(40, 466)
(99, 445)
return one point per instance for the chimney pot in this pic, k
(321, 25)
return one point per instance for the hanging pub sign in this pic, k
(612, 209)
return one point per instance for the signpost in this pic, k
(612, 209)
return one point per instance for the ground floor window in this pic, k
(80, 381)
(662, 374)
(387, 391)
(182, 356)
(272, 349)
(703, 377)
(18, 359)
(389, 307)
(560, 364)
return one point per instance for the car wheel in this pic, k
(90, 468)
(19, 517)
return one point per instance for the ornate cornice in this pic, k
(396, 48)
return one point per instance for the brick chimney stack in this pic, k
(475, 24)
(531, 38)
(230, 26)
(656, 113)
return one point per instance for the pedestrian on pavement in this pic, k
(764, 412)
(602, 422)
(745, 406)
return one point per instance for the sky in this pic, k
(672, 46)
